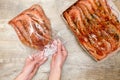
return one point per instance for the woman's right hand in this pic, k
(60, 56)
(58, 60)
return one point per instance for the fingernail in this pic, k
(42, 57)
(55, 42)
(42, 53)
(30, 57)
(45, 58)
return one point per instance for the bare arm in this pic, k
(31, 66)
(58, 60)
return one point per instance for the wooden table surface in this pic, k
(79, 65)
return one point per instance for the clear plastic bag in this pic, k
(33, 27)
(34, 30)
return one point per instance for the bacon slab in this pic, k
(32, 27)
(95, 26)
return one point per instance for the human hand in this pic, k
(58, 60)
(60, 56)
(31, 66)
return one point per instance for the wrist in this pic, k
(56, 71)
(21, 76)
(56, 68)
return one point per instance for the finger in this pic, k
(63, 48)
(33, 72)
(34, 62)
(42, 53)
(54, 55)
(40, 59)
(64, 51)
(30, 57)
(37, 59)
(35, 55)
(39, 56)
(59, 46)
(43, 61)
(54, 42)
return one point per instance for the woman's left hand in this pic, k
(31, 66)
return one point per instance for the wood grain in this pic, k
(79, 65)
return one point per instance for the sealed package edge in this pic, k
(33, 27)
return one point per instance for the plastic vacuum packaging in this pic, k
(34, 30)
(95, 26)
(33, 27)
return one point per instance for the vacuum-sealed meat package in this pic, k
(33, 27)
(95, 26)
